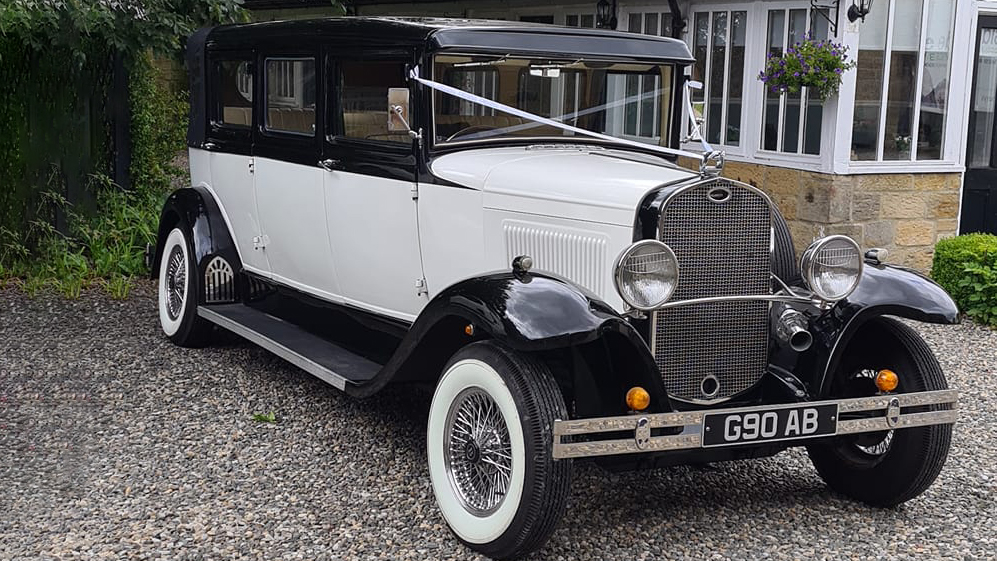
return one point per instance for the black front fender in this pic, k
(883, 290)
(530, 312)
(533, 313)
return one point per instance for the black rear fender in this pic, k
(197, 213)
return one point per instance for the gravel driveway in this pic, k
(114, 443)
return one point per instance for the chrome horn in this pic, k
(791, 328)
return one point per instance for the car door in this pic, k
(229, 145)
(370, 185)
(289, 182)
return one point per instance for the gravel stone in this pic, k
(116, 444)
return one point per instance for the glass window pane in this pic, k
(791, 123)
(647, 115)
(869, 85)
(738, 23)
(651, 24)
(699, 47)
(903, 76)
(233, 93)
(983, 100)
(630, 116)
(588, 20)
(797, 26)
(291, 95)
(364, 94)
(634, 23)
(775, 42)
(666, 25)
(571, 20)
(812, 126)
(934, 79)
(819, 24)
(714, 111)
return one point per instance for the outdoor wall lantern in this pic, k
(605, 14)
(856, 11)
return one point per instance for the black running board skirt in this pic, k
(328, 361)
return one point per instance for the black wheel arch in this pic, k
(596, 354)
(883, 290)
(197, 212)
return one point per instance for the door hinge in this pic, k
(252, 165)
(420, 287)
(415, 191)
(261, 242)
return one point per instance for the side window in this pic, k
(291, 95)
(232, 93)
(364, 99)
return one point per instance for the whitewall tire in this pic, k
(489, 445)
(177, 293)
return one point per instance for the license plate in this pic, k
(787, 423)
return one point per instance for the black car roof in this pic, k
(468, 35)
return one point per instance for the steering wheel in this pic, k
(469, 130)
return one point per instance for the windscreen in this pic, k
(624, 100)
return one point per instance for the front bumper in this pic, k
(692, 423)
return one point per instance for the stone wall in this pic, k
(904, 213)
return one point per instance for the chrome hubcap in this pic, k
(176, 282)
(478, 454)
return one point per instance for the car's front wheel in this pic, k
(890, 467)
(489, 450)
(178, 293)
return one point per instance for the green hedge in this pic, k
(966, 266)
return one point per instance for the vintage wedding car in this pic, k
(492, 208)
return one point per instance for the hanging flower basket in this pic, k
(816, 65)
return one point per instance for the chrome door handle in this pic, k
(210, 146)
(330, 164)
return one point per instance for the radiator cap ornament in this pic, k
(522, 264)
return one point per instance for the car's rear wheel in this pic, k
(178, 293)
(890, 467)
(489, 450)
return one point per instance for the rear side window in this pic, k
(233, 93)
(364, 98)
(291, 95)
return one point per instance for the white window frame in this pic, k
(804, 97)
(962, 59)
(752, 95)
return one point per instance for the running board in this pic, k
(315, 355)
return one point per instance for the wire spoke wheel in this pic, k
(177, 293)
(176, 282)
(478, 456)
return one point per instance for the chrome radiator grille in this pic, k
(723, 249)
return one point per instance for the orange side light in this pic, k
(638, 399)
(887, 380)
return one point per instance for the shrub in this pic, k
(966, 266)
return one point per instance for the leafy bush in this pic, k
(817, 65)
(63, 224)
(104, 248)
(966, 266)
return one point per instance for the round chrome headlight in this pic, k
(831, 267)
(646, 274)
